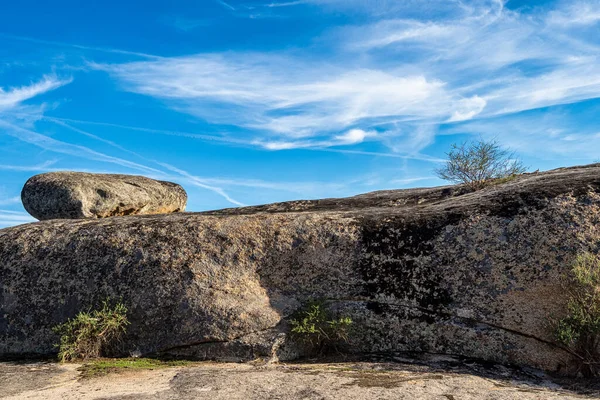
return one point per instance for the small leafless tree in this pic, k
(476, 163)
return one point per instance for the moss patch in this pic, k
(105, 366)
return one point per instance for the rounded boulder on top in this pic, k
(76, 195)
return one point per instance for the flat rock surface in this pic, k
(76, 195)
(442, 380)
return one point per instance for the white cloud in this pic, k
(501, 61)
(78, 46)
(40, 167)
(196, 181)
(191, 135)
(389, 32)
(281, 95)
(354, 136)
(412, 66)
(225, 5)
(212, 184)
(286, 3)
(468, 108)
(576, 14)
(11, 218)
(10, 200)
(426, 9)
(556, 133)
(285, 102)
(309, 145)
(407, 181)
(202, 182)
(57, 146)
(410, 141)
(284, 145)
(406, 156)
(12, 97)
(569, 83)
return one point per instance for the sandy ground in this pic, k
(346, 380)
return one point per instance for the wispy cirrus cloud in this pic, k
(225, 5)
(13, 97)
(430, 9)
(57, 146)
(78, 46)
(413, 66)
(580, 13)
(11, 100)
(353, 136)
(286, 3)
(548, 135)
(210, 183)
(196, 181)
(45, 166)
(535, 62)
(257, 10)
(162, 170)
(313, 145)
(10, 218)
(286, 103)
(48, 143)
(10, 200)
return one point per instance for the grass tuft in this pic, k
(314, 326)
(92, 334)
(579, 331)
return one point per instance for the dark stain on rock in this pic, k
(391, 262)
(515, 205)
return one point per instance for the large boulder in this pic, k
(441, 270)
(75, 195)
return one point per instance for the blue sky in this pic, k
(247, 101)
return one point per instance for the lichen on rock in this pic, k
(441, 270)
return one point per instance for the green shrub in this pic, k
(92, 334)
(479, 163)
(579, 331)
(314, 326)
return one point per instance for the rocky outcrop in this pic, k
(74, 195)
(440, 270)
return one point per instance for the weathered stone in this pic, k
(75, 195)
(440, 270)
(424, 378)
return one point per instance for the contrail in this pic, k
(82, 47)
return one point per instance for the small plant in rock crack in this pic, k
(314, 326)
(579, 331)
(92, 334)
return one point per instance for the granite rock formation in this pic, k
(75, 195)
(439, 270)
